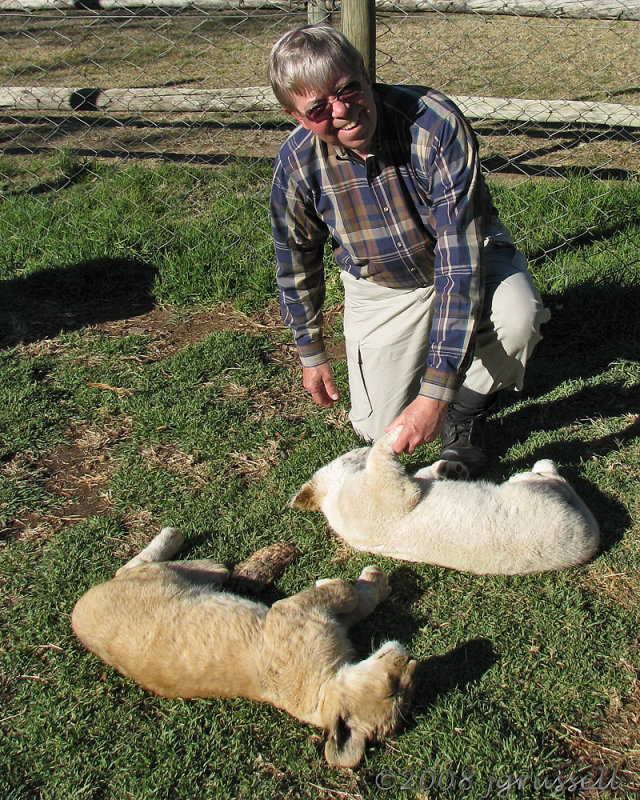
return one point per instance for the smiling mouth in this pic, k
(352, 125)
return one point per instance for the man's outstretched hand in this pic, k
(422, 420)
(318, 381)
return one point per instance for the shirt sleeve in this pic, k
(454, 186)
(299, 237)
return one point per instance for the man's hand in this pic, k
(318, 381)
(422, 420)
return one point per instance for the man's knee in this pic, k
(517, 313)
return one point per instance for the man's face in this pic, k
(345, 114)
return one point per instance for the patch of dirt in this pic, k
(615, 745)
(175, 329)
(78, 473)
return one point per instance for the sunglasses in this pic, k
(323, 110)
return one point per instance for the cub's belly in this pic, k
(177, 644)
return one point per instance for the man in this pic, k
(440, 311)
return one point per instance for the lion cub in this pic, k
(170, 628)
(532, 523)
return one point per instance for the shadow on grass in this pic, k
(68, 298)
(456, 669)
(545, 141)
(592, 326)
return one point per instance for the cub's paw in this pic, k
(386, 442)
(325, 581)
(450, 470)
(374, 577)
(545, 467)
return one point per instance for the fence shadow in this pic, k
(570, 140)
(68, 298)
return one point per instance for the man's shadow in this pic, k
(592, 327)
(52, 301)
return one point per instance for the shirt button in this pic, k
(399, 244)
(386, 208)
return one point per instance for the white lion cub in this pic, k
(170, 628)
(532, 523)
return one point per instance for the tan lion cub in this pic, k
(532, 523)
(170, 628)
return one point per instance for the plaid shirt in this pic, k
(411, 215)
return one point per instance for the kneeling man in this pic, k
(440, 310)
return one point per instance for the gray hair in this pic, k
(307, 59)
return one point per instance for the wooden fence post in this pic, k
(318, 12)
(359, 26)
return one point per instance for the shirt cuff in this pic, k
(312, 355)
(440, 385)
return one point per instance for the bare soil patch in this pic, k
(78, 473)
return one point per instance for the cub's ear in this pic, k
(345, 746)
(306, 498)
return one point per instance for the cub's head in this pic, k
(328, 480)
(371, 701)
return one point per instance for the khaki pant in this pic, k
(387, 338)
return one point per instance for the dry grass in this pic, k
(615, 743)
(254, 466)
(170, 458)
(460, 54)
(622, 588)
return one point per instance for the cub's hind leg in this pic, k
(545, 472)
(443, 470)
(163, 547)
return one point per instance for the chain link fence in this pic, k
(552, 94)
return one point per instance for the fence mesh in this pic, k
(61, 68)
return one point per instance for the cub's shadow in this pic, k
(456, 669)
(68, 298)
(436, 675)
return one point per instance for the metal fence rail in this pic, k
(553, 87)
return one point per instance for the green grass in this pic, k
(519, 674)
